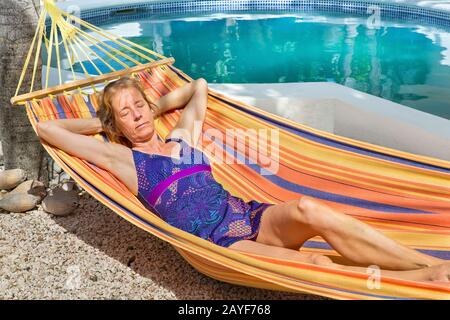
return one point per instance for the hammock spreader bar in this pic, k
(38, 94)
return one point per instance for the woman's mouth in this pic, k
(141, 125)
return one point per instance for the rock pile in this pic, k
(17, 194)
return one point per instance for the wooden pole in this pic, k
(88, 81)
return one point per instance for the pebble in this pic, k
(34, 187)
(64, 176)
(56, 168)
(19, 202)
(24, 187)
(11, 178)
(68, 185)
(60, 202)
(131, 260)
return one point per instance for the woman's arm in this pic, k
(80, 126)
(177, 98)
(194, 97)
(69, 135)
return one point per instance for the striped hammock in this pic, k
(403, 195)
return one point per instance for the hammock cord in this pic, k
(83, 48)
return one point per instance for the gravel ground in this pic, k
(95, 254)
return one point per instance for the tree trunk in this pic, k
(21, 147)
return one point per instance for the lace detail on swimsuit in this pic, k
(143, 182)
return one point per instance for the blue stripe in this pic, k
(441, 254)
(61, 113)
(285, 184)
(361, 203)
(30, 105)
(90, 106)
(346, 290)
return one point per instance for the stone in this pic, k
(68, 185)
(19, 202)
(34, 187)
(131, 260)
(23, 187)
(64, 177)
(80, 189)
(60, 202)
(56, 168)
(11, 178)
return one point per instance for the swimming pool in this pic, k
(403, 62)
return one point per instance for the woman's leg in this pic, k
(290, 224)
(440, 273)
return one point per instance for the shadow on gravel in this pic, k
(152, 258)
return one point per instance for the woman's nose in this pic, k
(137, 115)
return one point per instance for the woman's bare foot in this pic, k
(439, 273)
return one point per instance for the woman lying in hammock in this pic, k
(198, 204)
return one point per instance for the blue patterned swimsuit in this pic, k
(186, 195)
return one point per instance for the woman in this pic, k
(187, 196)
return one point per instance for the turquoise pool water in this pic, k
(402, 62)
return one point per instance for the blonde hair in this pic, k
(106, 112)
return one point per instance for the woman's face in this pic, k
(133, 115)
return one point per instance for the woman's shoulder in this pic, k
(121, 157)
(119, 152)
(123, 165)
